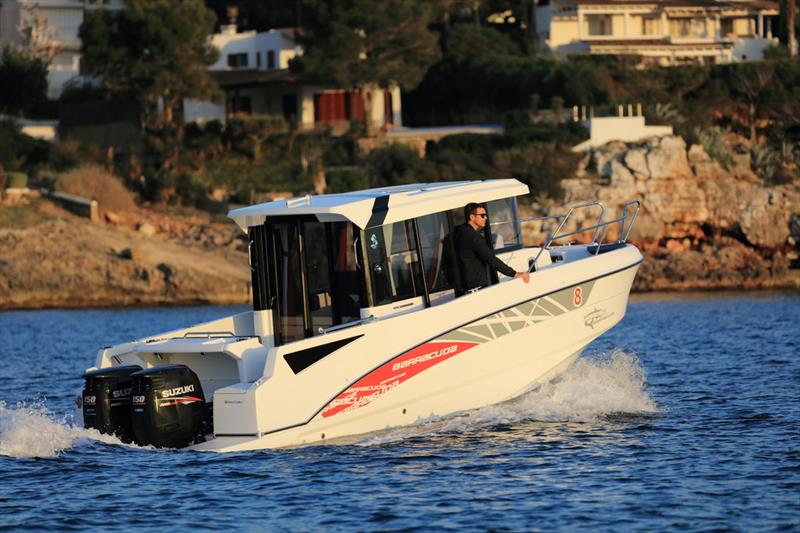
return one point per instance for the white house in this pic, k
(253, 71)
(61, 20)
(662, 32)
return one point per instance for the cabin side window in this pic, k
(433, 231)
(393, 262)
(503, 224)
(288, 270)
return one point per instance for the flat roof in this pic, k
(383, 205)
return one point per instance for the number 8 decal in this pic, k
(578, 297)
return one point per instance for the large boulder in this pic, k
(702, 165)
(666, 158)
(636, 161)
(676, 200)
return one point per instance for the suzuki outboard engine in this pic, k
(168, 407)
(107, 401)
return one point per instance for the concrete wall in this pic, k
(626, 129)
(750, 49)
(202, 111)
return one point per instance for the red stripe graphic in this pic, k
(391, 374)
(182, 400)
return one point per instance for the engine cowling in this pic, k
(106, 400)
(168, 408)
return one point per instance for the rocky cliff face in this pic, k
(71, 262)
(700, 226)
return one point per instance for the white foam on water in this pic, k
(592, 388)
(31, 430)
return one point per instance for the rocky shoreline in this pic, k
(700, 228)
(68, 262)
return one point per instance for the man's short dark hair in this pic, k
(470, 209)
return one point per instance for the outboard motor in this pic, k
(107, 401)
(168, 407)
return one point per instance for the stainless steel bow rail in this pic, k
(599, 229)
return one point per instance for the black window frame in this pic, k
(514, 220)
(239, 60)
(263, 253)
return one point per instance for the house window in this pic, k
(687, 27)
(650, 26)
(726, 29)
(237, 60)
(599, 25)
(271, 59)
(738, 27)
(258, 59)
(240, 105)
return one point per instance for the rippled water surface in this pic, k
(685, 416)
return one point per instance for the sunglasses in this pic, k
(483, 215)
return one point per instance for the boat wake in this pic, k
(31, 430)
(592, 389)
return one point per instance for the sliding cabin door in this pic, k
(315, 281)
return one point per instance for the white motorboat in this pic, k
(355, 326)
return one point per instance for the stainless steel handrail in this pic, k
(600, 228)
(208, 334)
(633, 221)
(555, 235)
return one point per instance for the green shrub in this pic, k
(340, 151)
(713, 143)
(776, 167)
(765, 161)
(83, 92)
(16, 180)
(19, 151)
(46, 180)
(23, 83)
(93, 181)
(346, 179)
(397, 164)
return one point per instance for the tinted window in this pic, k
(318, 276)
(290, 289)
(503, 223)
(393, 262)
(346, 274)
(432, 232)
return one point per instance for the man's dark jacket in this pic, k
(474, 255)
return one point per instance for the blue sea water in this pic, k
(685, 417)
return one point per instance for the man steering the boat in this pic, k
(474, 254)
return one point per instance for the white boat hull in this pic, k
(464, 354)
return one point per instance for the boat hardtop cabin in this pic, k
(307, 253)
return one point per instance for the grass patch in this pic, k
(18, 216)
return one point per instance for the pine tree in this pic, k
(154, 50)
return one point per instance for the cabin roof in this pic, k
(384, 205)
